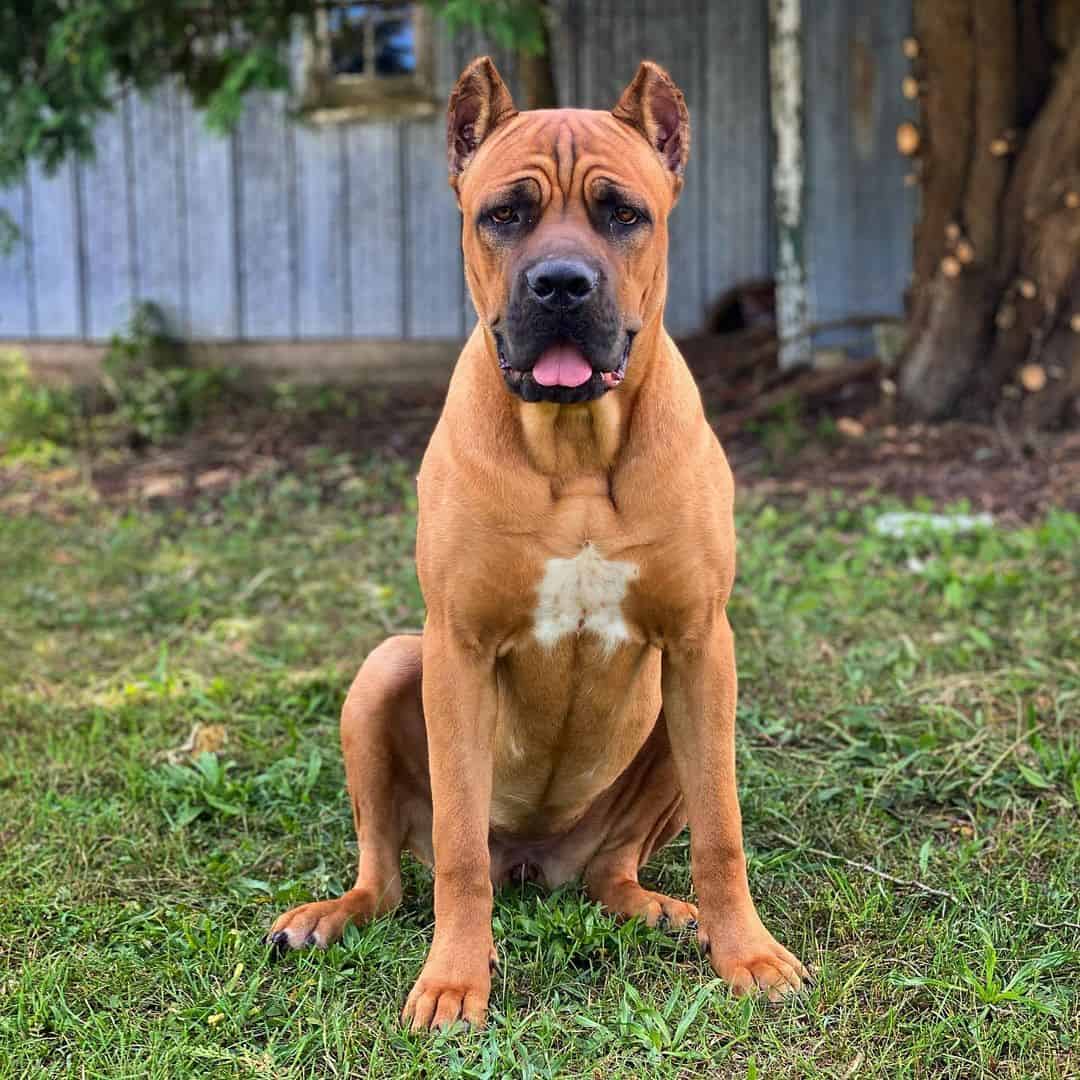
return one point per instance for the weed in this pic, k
(154, 389)
(37, 421)
(781, 430)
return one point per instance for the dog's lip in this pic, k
(608, 379)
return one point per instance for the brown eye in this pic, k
(503, 215)
(627, 215)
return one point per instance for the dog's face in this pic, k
(565, 226)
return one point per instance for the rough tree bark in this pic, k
(995, 298)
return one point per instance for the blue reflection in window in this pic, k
(348, 26)
(356, 28)
(395, 47)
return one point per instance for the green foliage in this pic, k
(63, 65)
(36, 421)
(155, 391)
(9, 233)
(781, 430)
(187, 792)
(514, 24)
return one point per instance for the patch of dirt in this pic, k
(844, 441)
(994, 471)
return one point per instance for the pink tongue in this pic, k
(562, 365)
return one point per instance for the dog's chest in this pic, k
(583, 594)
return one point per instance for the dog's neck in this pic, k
(566, 441)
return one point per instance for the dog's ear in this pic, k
(479, 103)
(654, 105)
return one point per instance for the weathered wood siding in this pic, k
(286, 232)
(859, 215)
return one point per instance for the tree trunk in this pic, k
(995, 299)
(537, 73)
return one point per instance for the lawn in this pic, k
(909, 707)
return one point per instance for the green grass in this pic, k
(911, 705)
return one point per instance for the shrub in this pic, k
(36, 421)
(154, 389)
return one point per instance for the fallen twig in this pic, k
(916, 884)
(912, 883)
(809, 384)
(1054, 926)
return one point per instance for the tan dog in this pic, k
(571, 702)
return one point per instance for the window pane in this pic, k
(347, 27)
(395, 44)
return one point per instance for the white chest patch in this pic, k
(583, 593)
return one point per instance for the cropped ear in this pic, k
(654, 105)
(479, 103)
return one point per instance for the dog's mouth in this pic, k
(562, 373)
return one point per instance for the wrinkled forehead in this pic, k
(565, 150)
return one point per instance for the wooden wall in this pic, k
(286, 232)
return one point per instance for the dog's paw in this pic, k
(656, 909)
(322, 923)
(749, 959)
(628, 900)
(454, 987)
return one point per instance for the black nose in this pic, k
(561, 283)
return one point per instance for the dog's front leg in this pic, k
(459, 693)
(699, 689)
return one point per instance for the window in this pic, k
(369, 60)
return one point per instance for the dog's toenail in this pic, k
(691, 924)
(310, 939)
(279, 942)
(663, 922)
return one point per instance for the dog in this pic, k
(570, 704)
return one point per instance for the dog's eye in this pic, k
(503, 215)
(626, 215)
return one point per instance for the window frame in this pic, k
(331, 98)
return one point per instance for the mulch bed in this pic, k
(992, 468)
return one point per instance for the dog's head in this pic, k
(565, 225)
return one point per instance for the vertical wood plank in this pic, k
(263, 162)
(882, 188)
(735, 157)
(670, 32)
(434, 303)
(831, 196)
(378, 237)
(158, 202)
(54, 229)
(16, 319)
(210, 200)
(603, 66)
(565, 51)
(323, 232)
(859, 214)
(885, 207)
(110, 268)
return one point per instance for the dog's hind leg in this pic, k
(644, 812)
(385, 748)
